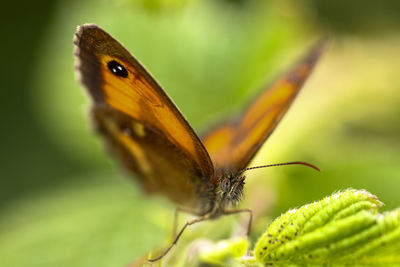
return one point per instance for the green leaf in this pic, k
(221, 253)
(343, 228)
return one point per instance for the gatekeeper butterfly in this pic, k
(151, 138)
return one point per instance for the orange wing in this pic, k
(233, 145)
(141, 124)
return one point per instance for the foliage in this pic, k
(342, 229)
(62, 201)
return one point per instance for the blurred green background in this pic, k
(64, 201)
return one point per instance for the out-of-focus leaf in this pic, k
(224, 251)
(104, 224)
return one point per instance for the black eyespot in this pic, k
(117, 69)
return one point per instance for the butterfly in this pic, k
(147, 133)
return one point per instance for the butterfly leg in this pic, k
(249, 211)
(176, 217)
(199, 219)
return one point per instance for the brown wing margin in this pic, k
(233, 145)
(141, 99)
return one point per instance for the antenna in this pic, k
(282, 164)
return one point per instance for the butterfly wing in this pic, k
(140, 123)
(232, 145)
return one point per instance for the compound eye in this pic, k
(226, 185)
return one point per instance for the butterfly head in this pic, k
(231, 184)
(231, 188)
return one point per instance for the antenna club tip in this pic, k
(308, 165)
(317, 169)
